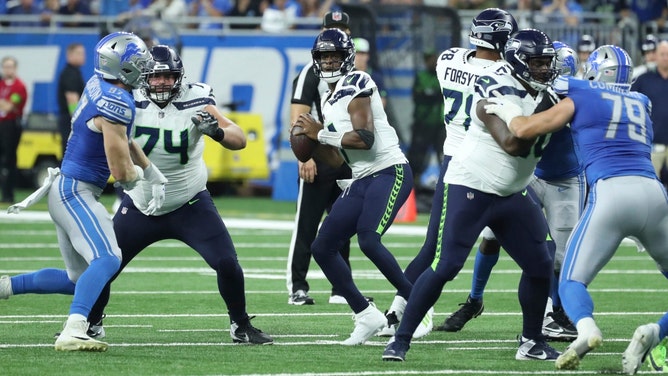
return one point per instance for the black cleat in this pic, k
(248, 334)
(469, 310)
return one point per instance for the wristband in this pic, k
(330, 138)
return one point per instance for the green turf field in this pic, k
(166, 318)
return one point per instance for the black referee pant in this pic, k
(313, 200)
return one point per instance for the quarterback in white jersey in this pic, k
(356, 125)
(385, 151)
(172, 119)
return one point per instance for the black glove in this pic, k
(208, 124)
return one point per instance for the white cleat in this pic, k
(645, 338)
(570, 358)
(74, 338)
(5, 287)
(426, 325)
(367, 323)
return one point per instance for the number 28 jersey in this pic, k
(171, 141)
(457, 70)
(480, 162)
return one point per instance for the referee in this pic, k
(317, 181)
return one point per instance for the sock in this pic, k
(481, 272)
(44, 281)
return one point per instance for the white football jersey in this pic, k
(480, 162)
(457, 70)
(385, 151)
(171, 141)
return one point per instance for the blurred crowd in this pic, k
(279, 15)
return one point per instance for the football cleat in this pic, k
(535, 350)
(391, 326)
(300, 298)
(394, 352)
(657, 357)
(5, 287)
(367, 323)
(645, 338)
(426, 325)
(248, 334)
(470, 309)
(570, 358)
(558, 327)
(74, 338)
(94, 330)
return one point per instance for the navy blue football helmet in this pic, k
(567, 59)
(532, 55)
(333, 40)
(491, 29)
(166, 61)
(610, 64)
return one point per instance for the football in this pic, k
(302, 146)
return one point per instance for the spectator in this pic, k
(70, 86)
(568, 12)
(280, 16)
(428, 128)
(248, 8)
(314, 9)
(75, 8)
(13, 96)
(585, 46)
(648, 48)
(27, 8)
(654, 84)
(167, 9)
(651, 14)
(210, 9)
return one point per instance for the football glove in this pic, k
(208, 124)
(504, 109)
(157, 181)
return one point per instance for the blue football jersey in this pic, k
(85, 158)
(560, 158)
(611, 128)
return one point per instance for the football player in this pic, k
(98, 145)
(357, 126)
(559, 185)
(612, 127)
(173, 118)
(485, 185)
(457, 69)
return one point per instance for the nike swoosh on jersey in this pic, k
(193, 201)
(524, 192)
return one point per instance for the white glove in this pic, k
(505, 109)
(208, 124)
(129, 185)
(157, 181)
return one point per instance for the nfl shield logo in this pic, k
(470, 195)
(124, 210)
